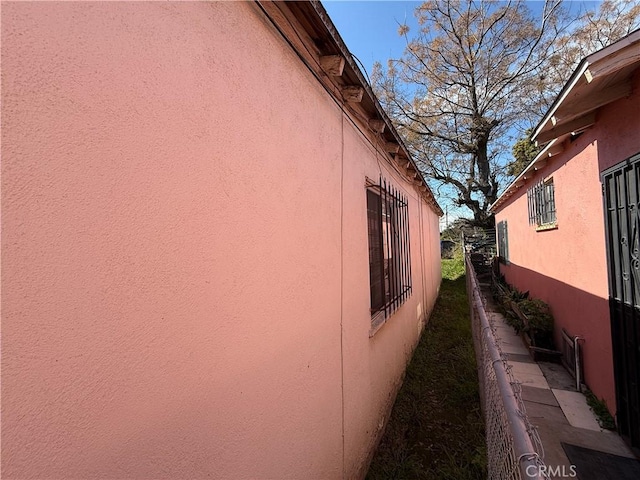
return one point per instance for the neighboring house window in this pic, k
(542, 204)
(503, 241)
(389, 253)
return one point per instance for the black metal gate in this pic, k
(622, 211)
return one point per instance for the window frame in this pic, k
(541, 201)
(389, 248)
(502, 234)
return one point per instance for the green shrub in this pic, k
(517, 296)
(513, 295)
(513, 320)
(539, 325)
(540, 322)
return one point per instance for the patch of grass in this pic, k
(453, 269)
(600, 409)
(436, 430)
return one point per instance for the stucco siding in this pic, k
(185, 269)
(619, 123)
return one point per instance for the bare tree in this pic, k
(466, 78)
(612, 21)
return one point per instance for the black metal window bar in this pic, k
(389, 250)
(503, 241)
(541, 200)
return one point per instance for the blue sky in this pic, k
(370, 28)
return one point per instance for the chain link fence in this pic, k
(514, 450)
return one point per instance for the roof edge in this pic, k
(335, 35)
(512, 187)
(575, 76)
(329, 34)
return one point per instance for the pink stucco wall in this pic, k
(185, 272)
(567, 267)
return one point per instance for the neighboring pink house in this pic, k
(570, 224)
(217, 254)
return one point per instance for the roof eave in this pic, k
(335, 36)
(520, 180)
(326, 34)
(575, 77)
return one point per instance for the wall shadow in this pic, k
(580, 313)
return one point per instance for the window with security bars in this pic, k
(503, 241)
(389, 251)
(542, 203)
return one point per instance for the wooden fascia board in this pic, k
(560, 129)
(291, 27)
(610, 50)
(577, 76)
(351, 65)
(579, 113)
(613, 63)
(592, 99)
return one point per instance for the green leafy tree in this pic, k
(524, 151)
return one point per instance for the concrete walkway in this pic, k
(554, 407)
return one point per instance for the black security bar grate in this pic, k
(542, 203)
(389, 247)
